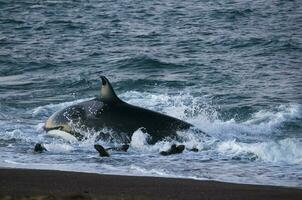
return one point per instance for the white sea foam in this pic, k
(288, 150)
(137, 170)
(58, 148)
(181, 105)
(263, 122)
(21, 134)
(252, 140)
(139, 140)
(269, 120)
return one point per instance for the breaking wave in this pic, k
(288, 151)
(253, 140)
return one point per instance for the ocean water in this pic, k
(232, 68)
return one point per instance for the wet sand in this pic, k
(47, 184)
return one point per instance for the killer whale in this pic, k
(109, 111)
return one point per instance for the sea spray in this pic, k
(287, 151)
(226, 143)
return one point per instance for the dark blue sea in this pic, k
(232, 68)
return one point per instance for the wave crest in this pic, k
(287, 151)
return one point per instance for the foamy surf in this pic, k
(226, 144)
(287, 151)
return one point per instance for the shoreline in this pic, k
(151, 176)
(51, 184)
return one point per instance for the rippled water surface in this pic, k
(231, 68)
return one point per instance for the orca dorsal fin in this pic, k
(107, 92)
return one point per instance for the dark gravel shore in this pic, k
(46, 184)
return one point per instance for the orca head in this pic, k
(79, 114)
(65, 119)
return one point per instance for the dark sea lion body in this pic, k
(108, 111)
